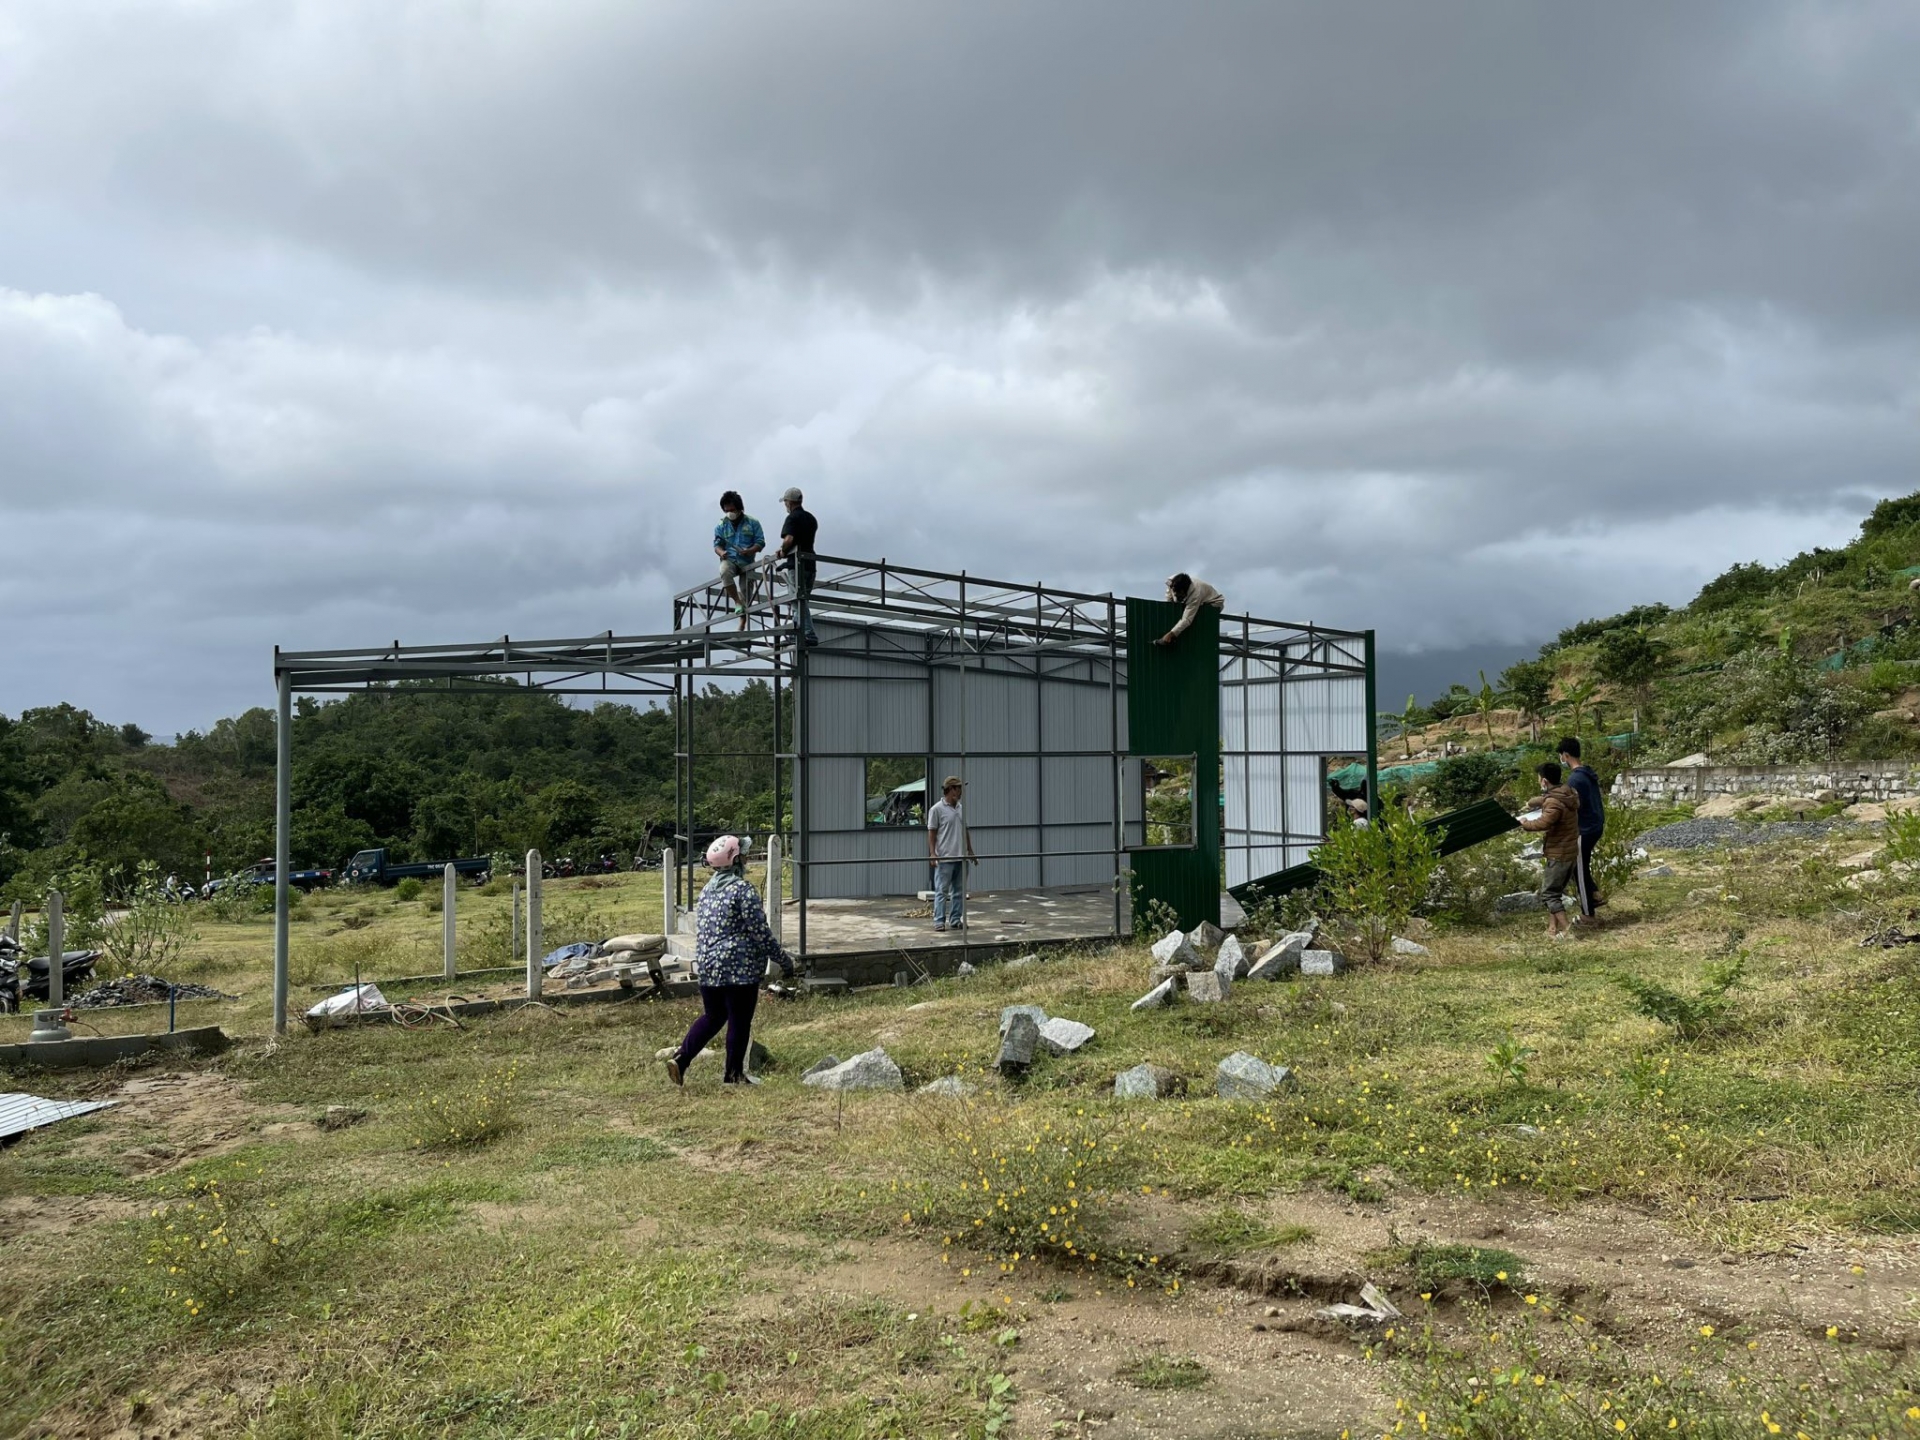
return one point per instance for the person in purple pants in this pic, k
(732, 947)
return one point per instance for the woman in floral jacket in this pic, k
(732, 947)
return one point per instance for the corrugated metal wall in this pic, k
(1173, 706)
(1042, 803)
(1276, 802)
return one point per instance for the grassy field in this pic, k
(1596, 1222)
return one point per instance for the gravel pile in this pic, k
(140, 990)
(1728, 834)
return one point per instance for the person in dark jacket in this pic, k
(1558, 821)
(733, 945)
(1593, 824)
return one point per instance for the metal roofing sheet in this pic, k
(20, 1112)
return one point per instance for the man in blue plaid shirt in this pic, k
(738, 541)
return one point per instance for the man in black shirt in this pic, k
(796, 547)
(1593, 824)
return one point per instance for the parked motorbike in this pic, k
(15, 990)
(607, 864)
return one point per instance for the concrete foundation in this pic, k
(106, 1049)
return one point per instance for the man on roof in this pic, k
(737, 540)
(1191, 594)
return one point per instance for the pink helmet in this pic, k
(723, 852)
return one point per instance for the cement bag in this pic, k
(352, 1001)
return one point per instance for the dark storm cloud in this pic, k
(334, 320)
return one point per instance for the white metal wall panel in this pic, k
(1326, 715)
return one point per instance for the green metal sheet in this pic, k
(1173, 708)
(1457, 830)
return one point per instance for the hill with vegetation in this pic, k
(1811, 660)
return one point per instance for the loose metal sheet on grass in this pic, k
(20, 1112)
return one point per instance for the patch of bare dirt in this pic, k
(26, 1217)
(1078, 1332)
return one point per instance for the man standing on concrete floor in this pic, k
(1184, 590)
(796, 548)
(738, 541)
(1593, 824)
(950, 848)
(1558, 821)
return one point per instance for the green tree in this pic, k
(1408, 717)
(1577, 698)
(1374, 876)
(570, 811)
(1529, 683)
(1632, 660)
(445, 826)
(1484, 703)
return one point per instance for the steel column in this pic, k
(282, 841)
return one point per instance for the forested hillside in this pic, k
(1815, 658)
(427, 774)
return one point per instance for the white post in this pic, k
(513, 933)
(534, 950)
(13, 925)
(56, 949)
(448, 891)
(774, 859)
(669, 922)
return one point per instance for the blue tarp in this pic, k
(575, 951)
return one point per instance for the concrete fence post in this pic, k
(774, 886)
(449, 892)
(513, 932)
(669, 921)
(534, 950)
(56, 948)
(13, 925)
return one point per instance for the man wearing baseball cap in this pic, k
(949, 847)
(796, 548)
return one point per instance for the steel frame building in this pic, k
(1022, 689)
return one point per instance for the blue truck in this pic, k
(261, 873)
(371, 867)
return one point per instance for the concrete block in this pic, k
(1280, 960)
(950, 1087)
(1060, 1036)
(873, 1070)
(1322, 962)
(1247, 1077)
(1006, 1015)
(1018, 1044)
(1206, 986)
(1176, 950)
(1144, 1082)
(1159, 995)
(1206, 937)
(1232, 959)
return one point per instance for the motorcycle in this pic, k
(75, 968)
(607, 864)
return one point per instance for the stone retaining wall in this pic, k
(1859, 780)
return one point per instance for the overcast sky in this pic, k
(329, 322)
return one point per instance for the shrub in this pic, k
(1373, 877)
(1021, 1184)
(408, 889)
(476, 1112)
(218, 1242)
(1462, 779)
(1469, 883)
(1614, 860)
(1691, 1016)
(152, 932)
